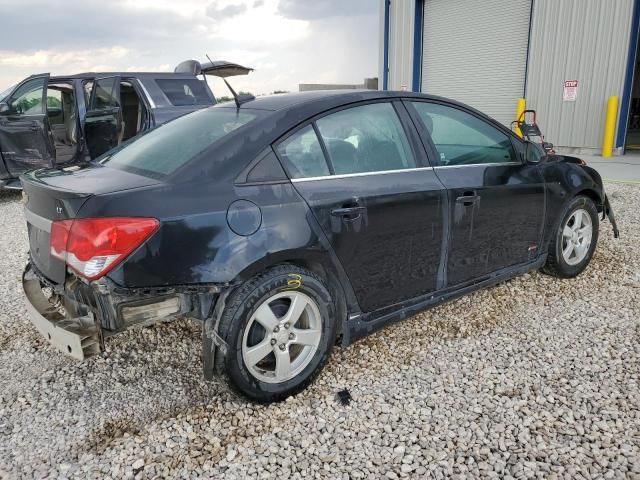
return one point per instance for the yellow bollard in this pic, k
(610, 126)
(520, 107)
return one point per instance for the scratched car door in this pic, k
(497, 199)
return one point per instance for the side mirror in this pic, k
(533, 152)
(4, 107)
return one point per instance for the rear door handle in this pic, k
(468, 198)
(348, 212)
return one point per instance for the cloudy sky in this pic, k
(286, 41)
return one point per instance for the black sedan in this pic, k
(288, 223)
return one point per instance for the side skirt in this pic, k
(365, 324)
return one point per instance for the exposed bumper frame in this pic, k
(608, 212)
(77, 337)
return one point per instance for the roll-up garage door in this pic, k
(476, 52)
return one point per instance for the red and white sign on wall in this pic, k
(570, 91)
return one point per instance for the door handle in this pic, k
(35, 126)
(468, 198)
(350, 213)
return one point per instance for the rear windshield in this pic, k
(185, 91)
(163, 150)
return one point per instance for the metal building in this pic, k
(565, 57)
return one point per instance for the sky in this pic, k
(287, 42)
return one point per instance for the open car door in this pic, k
(25, 142)
(103, 126)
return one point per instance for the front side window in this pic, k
(302, 154)
(27, 99)
(368, 138)
(463, 139)
(187, 91)
(163, 150)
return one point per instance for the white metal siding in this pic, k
(584, 40)
(401, 20)
(476, 52)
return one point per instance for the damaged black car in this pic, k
(289, 223)
(61, 121)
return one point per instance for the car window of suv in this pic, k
(27, 99)
(302, 154)
(367, 138)
(463, 139)
(104, 96)
(184, 91)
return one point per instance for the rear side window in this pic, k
(302, 154)
(187, 91)
(163, 150)
(369, 138)
(105, 94)
(463, 139)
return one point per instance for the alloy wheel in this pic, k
(282, 337)
(576, 237)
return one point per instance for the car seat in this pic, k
(344, 156)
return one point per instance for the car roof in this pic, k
(282, 101)
(300, 106)
(85, 75)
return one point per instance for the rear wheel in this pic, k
(574, 242)
(280, 329)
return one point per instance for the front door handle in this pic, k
(350, 213)
(35, 126)
(468, 199)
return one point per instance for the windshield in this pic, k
(5, 93)
(165, 149)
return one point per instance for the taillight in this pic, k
(93, 246)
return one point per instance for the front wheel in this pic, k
(574, 243)
(280, 328)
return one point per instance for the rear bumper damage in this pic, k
(79, 337)
(75, 318)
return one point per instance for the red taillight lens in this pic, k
(93, 246)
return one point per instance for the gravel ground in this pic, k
(536, 377)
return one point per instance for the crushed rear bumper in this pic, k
(77, 337)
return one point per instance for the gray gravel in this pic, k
(535, 378)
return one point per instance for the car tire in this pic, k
(283, 313)
(572, 245)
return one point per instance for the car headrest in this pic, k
(428, 122)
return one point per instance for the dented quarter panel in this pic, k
(199, 247)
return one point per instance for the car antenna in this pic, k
(239, 99)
